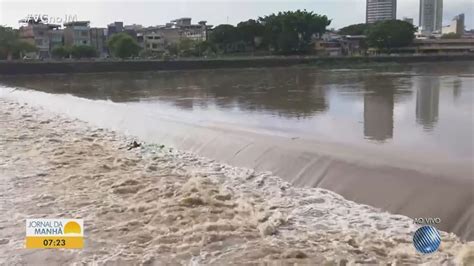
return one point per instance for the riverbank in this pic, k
(154, 204)
(46, 67)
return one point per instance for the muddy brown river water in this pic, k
(397, 137)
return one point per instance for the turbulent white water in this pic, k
(158, 205)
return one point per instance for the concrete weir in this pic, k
(409, 184)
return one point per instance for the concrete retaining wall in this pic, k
(22, 67)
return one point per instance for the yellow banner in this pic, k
(54, 242)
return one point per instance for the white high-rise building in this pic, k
(431, 16)
(378, 10)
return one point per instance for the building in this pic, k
(113, 28)
(135, 27)
(157, 38)
(327, 48)
(56, 37)
(444, 46)
(132, 30)
(77, 33)
(409, 20)
(197, 32)
(99, 41)
(431, 16)
(435, 46)
(118, 27)
(456, 26)
(353, 45)
(154, 42)
(44, 36)
(378, 10)
(468, 34)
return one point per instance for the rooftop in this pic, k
(77, 23)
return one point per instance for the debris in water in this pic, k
(134, 145)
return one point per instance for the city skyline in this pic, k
(151, 13)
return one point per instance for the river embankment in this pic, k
(93, 66)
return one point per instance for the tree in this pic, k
(173, 49)
(83, 51)
(288, 41)
(187, 48)
(293, 31)
(205, 48)
(60, 52)
(11, 45)
(390, 34)
(23, 47)
(356, 29)
(249, 30)
(451, 35)
(224, 37)
(123, 45)
(285, 32)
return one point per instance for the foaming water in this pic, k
(157, 205)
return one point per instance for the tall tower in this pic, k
(431, 16)
(378, 10)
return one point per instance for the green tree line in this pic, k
(76, 51)
(288, 32)
(383, 35)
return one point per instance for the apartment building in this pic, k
(158, 37)
(188, 30)
(77, 33)
(379, 10)
(114, 28)
(43, 36)
(99, 41)
(56, 38)
(154, 41)
(431, 16)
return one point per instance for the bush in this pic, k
(123, 45)
(451, 35)
(83, 51)
(61, 52)
(390, 34)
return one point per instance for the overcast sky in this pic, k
(148, 13)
